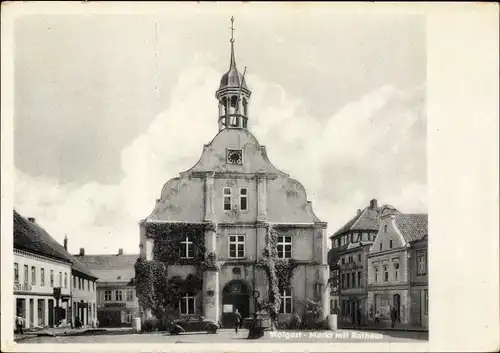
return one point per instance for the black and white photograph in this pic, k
(209, 174)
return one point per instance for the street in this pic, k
(339, 336)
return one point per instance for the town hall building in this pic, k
(233, 196)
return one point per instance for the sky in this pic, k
(108, 108)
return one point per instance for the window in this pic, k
(93, 286)
(376, 273)
(16, 272)
(396, 271)
(128, 317)
(353, 276)
(350, 259)
(343, 281)
(380, 246)
(426, 301)
(359, 257)
(187, 248)
(284, 247)
(186, 305)
(286, 301)
(236, 246)
(33, 275)
(65, 280)
(227, 199)
(351, 237)
(42, 277)
(348, 284)
(129, 295)
(60, 279)
(421, 263)
(74, 282)
(386, 274)
(52, 278)
(343, 261)
(390, 244)
(243, 199)
(118, 295)
(107, 295)
(360, 277)
(26, 274)
(385, 228)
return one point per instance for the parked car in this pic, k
(193, 323)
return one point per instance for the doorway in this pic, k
(396, 300)
(51, 313)
(235, 295)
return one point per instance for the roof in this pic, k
(111, 268)
(413, 227)
(232, 78)
(30, 236)
(366, 220)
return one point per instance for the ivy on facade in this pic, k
(155, 291)
(279, 272)
(168, 238)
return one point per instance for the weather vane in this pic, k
(232, 29)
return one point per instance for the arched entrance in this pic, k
(235, 295)
(396, 299)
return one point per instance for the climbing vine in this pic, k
(157, 292)
(279, 272)
(168, 242)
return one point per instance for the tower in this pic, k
(233, 95)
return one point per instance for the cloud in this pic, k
(372, 147)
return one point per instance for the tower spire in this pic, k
(233, 60)
(233, 94)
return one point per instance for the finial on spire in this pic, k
(232, 29)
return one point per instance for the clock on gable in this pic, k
(234, 156)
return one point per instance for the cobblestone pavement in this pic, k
(340, 336)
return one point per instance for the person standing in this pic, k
(394, 315)
(237, 320)
(19, 324)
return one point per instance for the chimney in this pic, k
(31, 219)
(66, 242)
(373, 204)
(82, 251)
(120, 251)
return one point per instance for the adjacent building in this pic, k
(83, 293)
(398, 270)
(51, 287)
(41, 273)
(349, 265)
(117, 302)
(239, 195)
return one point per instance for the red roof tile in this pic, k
(30, 236)
(111, 268)
(413, 227)
(368, 219)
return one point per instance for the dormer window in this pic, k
(385, 228)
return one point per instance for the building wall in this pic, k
(107, 308)
(36, 297)
(410, 287)
(272, 197)
(84, 299)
